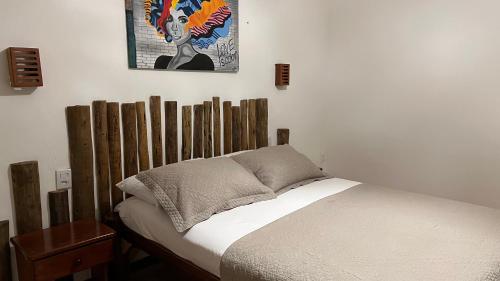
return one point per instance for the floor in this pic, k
(150, 269)
(147, 269)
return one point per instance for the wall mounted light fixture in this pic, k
(282, 74)
(24, 67)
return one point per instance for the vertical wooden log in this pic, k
(156, 138)
(142, 136)
(262, 123)
(217, 126)
(252, 124)
(5, 273)
(101, 157)
(59, 207)
(186, 133)
(26, 191)
(171, 146)
(283, 136)
(81, 162)
(198, 131)
(236, 123)
(207, 129)
(244, 124)
(228, 127)
(129, 124)
(115, 152)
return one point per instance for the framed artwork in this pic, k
(199, 35)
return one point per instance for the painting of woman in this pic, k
(192, 25)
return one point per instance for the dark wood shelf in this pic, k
(48, 242)
(62, 250)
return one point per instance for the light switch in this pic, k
(63, 178)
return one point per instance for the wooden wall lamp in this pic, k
(24, 67)
(282, 75)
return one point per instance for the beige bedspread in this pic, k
(372, 233)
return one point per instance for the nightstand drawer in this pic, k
(74, 261)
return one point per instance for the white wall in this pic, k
(84, 58)
(415, 99)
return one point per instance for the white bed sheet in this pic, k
(205, 243)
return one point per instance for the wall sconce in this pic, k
(282, 75)
(24, 67)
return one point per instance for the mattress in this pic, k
(205, 243)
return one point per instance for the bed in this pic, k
(332, 229)
(411, 237)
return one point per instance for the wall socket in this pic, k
(63, 178)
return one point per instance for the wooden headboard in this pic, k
(101, 140)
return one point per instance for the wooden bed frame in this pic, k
(182, 267)
(245, 127)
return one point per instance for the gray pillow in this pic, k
(192, 191)
(279, 166)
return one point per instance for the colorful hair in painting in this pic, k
(209, 20)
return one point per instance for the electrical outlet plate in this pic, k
(63, 178)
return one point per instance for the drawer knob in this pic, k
(78, 262)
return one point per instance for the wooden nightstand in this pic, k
(59, 251)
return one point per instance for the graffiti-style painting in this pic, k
(197, 35)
